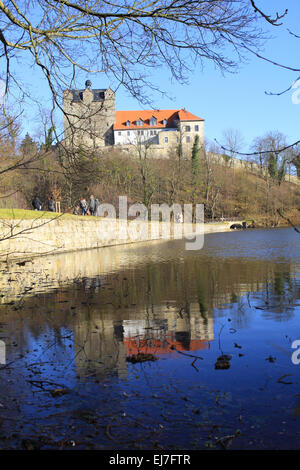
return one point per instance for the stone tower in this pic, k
(89, 117)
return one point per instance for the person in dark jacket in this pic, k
(37, 205)
(97, 207)
(92, 205)
(51, 204)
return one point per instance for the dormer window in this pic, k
(165, 122)
(127, 123)
(140, 122)
(153, 121)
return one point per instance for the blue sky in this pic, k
(236, 100)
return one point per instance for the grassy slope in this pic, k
(23, 214)
(30, 215)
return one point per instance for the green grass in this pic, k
(23, 214)
(31, 215)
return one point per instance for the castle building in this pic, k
(89, 116)
(91, 120)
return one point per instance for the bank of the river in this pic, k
(25, 233)
(22, 238)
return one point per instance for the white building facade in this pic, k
(163, 128)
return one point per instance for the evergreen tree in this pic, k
(49, 138)
(28, 146)
(46, 146)
(276, 169)
(195, 171)
(195, 156)
(272, 167)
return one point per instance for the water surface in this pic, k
(70, 321)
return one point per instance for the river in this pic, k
(69, 323)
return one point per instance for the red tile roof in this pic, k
(160, 114)
(186, 116)
(156, 346)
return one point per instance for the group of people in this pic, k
(37, 204)
(83, 208)
(86, 208)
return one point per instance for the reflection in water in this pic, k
(107, 342)
(73, 319)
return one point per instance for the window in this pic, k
(128, 132)
(165, 122)
(119, 133)
(140, 132)
(196, 128)
(127, 123)
(166, 140)
(188, 139)
(187, 128)
(154, 132)
(153, 121)
(151, 132)
(139, 122)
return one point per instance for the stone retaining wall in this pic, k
(26, 238)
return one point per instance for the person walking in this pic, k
(97, 207)
(92, 205)
(51, 204)
(83, 206)
(37, 205)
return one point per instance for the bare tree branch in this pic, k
(123, 40)
(288, 220)
(249, 154)
(272, 21)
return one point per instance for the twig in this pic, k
(272, 21)
(226, 440)
(282, 381)
(185, 354)
(220, 338)
(289, 221)
(107, 432)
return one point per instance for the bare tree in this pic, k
(234, 141)
(122, 39)
(294, 158)
(259, 155)
(142, 147)
(271, 159)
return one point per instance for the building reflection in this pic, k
(104, 346)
